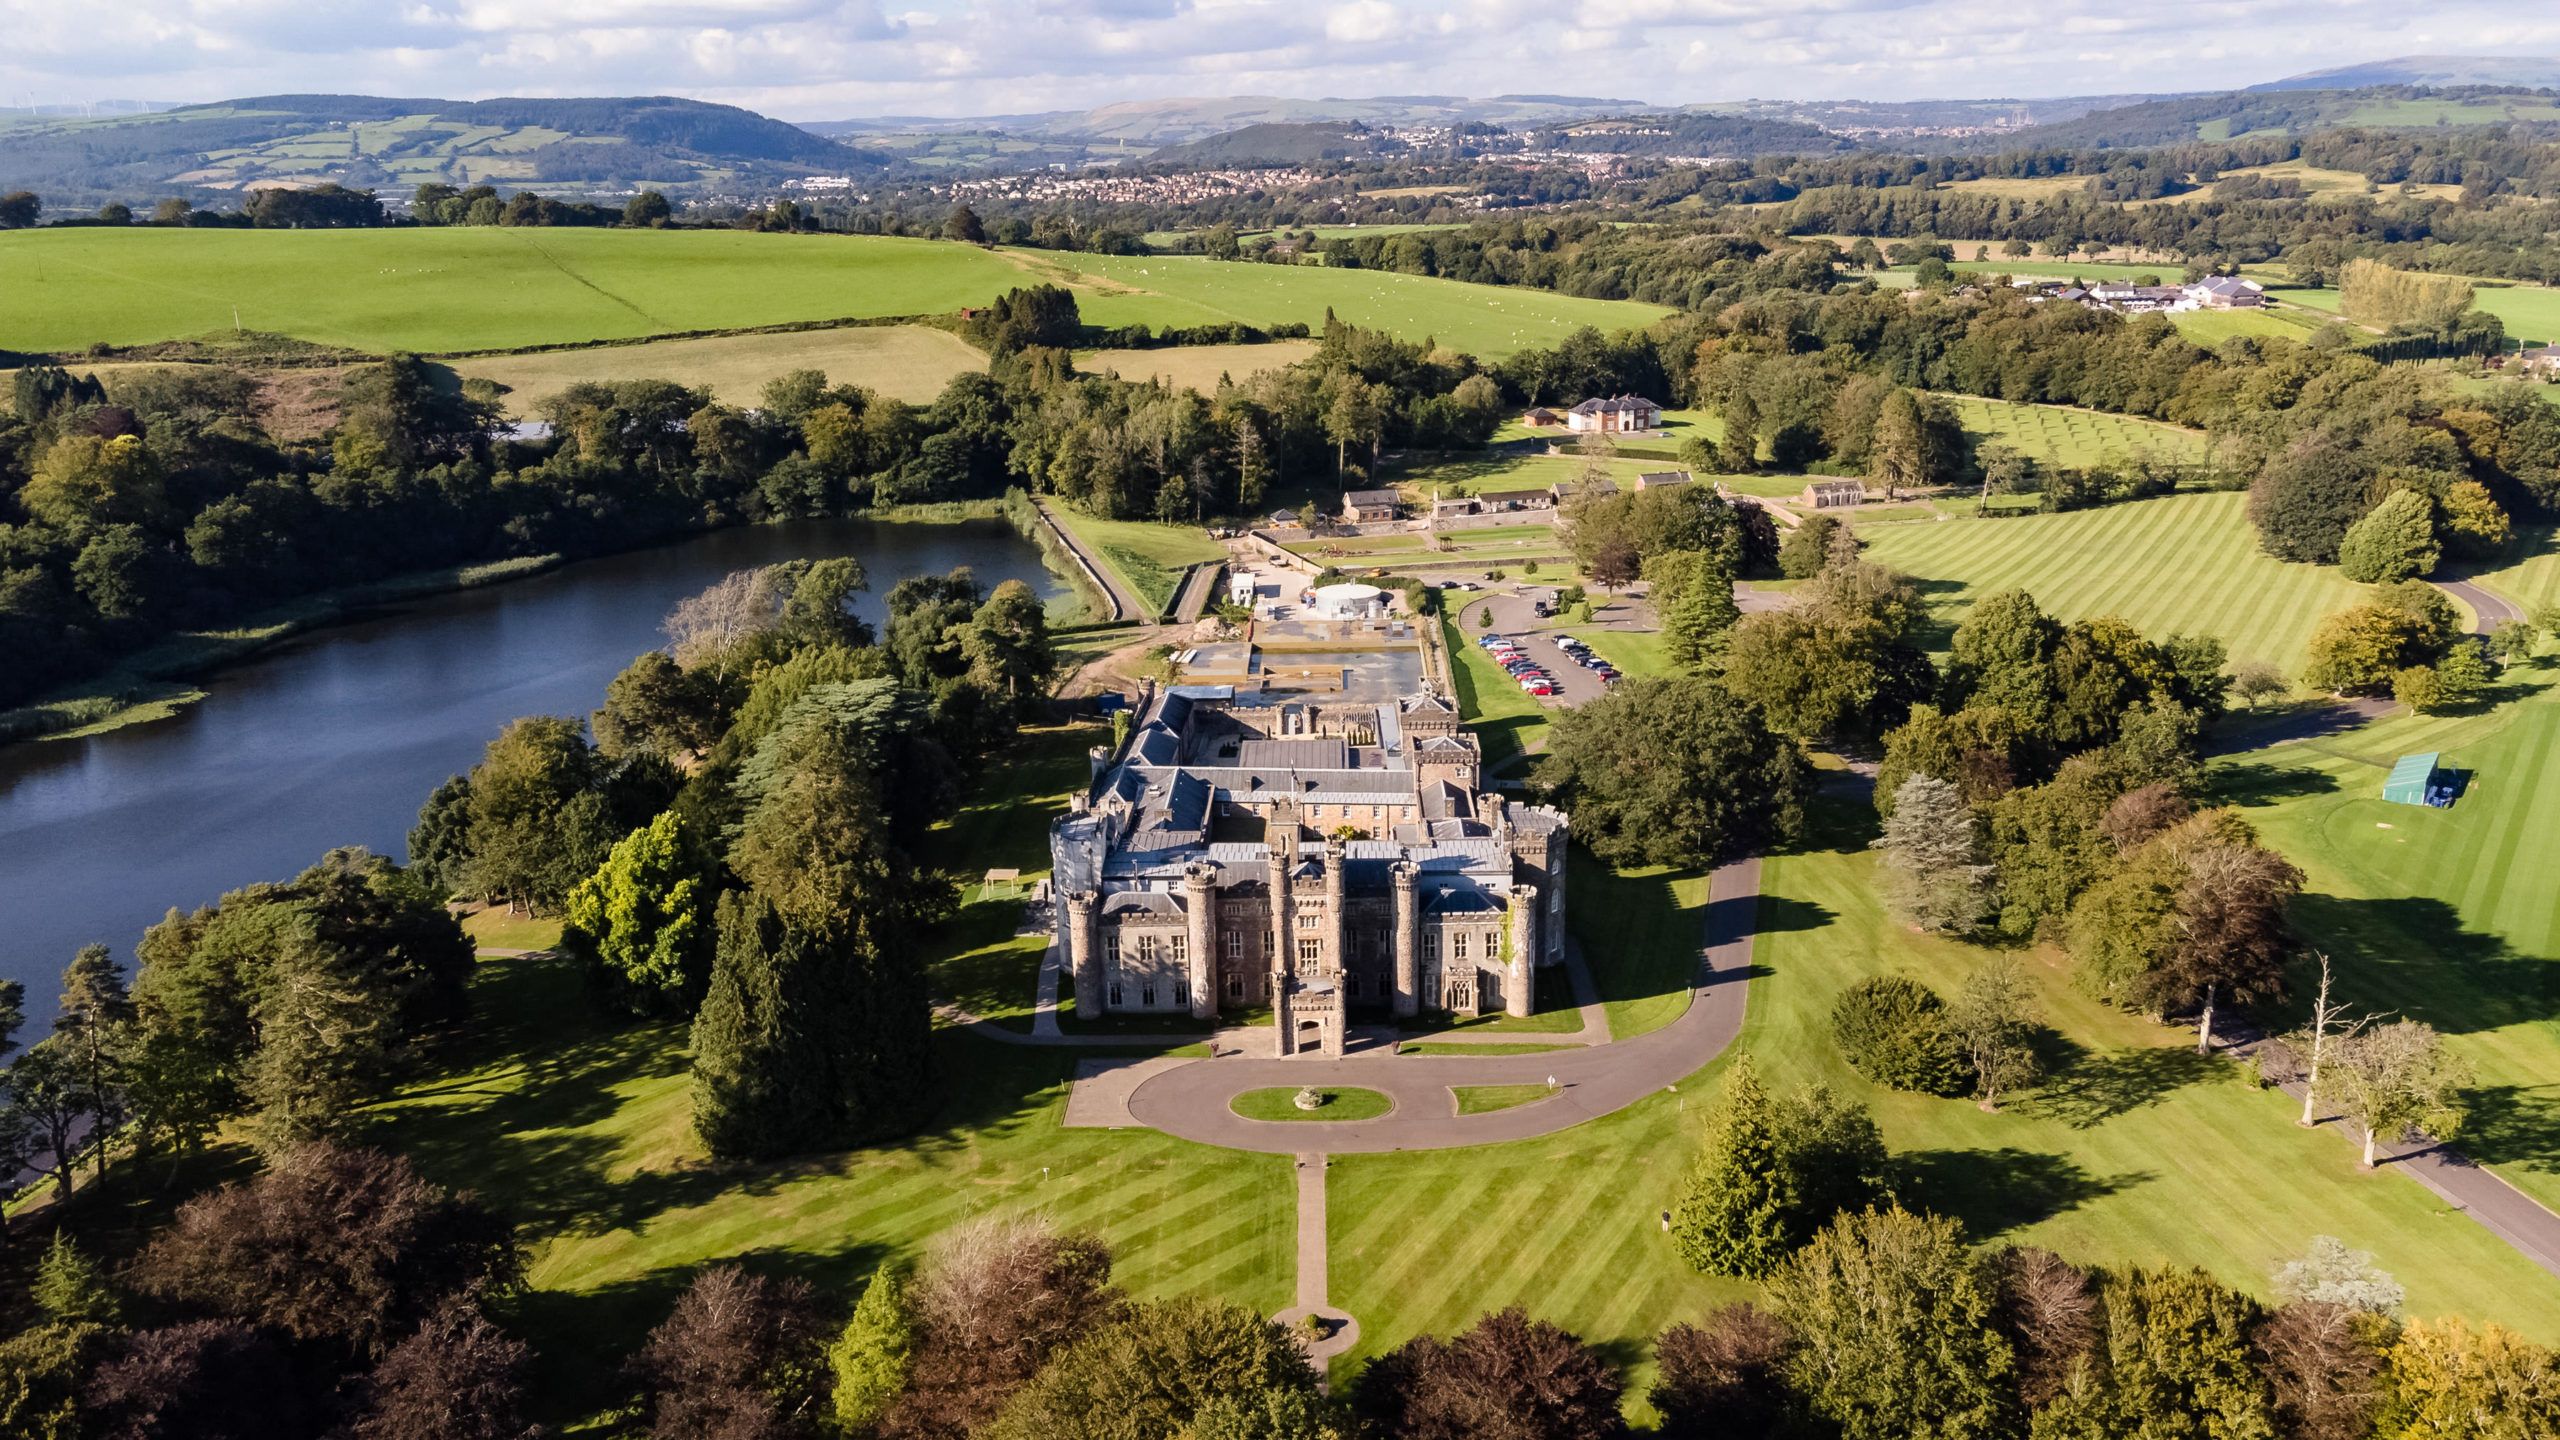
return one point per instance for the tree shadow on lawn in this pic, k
(1995, 1191)
(2415, 955)
(581, 1337)
(2255, 782)
(2086, 1088)
(2516, 1125)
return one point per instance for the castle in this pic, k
(1320, 857)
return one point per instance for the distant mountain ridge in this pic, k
(2529, 71)
(393, 143)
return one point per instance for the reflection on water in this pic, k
(335, 737)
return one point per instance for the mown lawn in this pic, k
(2186, 563)
(2136, 1152)
(1507, 719)
(1149, 558)
(2059, 435)
(2449, 916)
(581, 1130)
(980, 964)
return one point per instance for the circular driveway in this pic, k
(1192, 1100)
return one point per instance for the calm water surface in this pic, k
(335, 738)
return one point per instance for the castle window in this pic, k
(1147, 949)
(1111, 945)
(1492, 945)
(1235, 944)
(1458, 945)
(1310, 950)
(1431, 991)
(1431, 947)
(1115, 995)
(1182, 994)
(1147, 996)
(1351, 985)
(1462, 995)
(1235, 987)
(1180, 945)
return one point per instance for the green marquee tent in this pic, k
(2407, 784)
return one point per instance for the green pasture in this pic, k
(2060, 435)
(2450, 916)
(980, 964)
(2531, 312)
(465, 287)
(1634, 652)
(2185, 563)
(2135, 1151)
(1281, 1104)
(504, 929)
(1491, 321)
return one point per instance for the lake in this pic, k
(336, 737)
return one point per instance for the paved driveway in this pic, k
(1191, 1100)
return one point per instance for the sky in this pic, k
(834, 59)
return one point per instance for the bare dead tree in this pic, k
(2329, 1025)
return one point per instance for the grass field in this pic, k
(2177, 564)
(503, 929)
(981, 965)
(2529, 572)
(582, 1131)
(1483, 1099)
(1281, 1104)
(1634, 652)
(2450, 916)
(1486, 320)
(1507, 719)
(1195, 367)
(466, 287)
(1149, 558)
(2136, 1154)
(2211, 327)
(904, 362)
(2531, 312)
(2059, 435)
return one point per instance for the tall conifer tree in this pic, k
(1732, 1215)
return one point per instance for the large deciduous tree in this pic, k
(643, 923)
(344, 1248)
(1674, 770)
(996, 1300)
(741, 1358)
(1507, 1375)
(2396, 540)
(1154, 1371)
(2392, 1079)
(1724, 1378)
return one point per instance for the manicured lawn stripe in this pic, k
(2181, 563)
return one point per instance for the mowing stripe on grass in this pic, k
(2186, 563)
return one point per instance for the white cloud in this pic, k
(813, 59)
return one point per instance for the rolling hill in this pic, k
(2525, 70)
(393, 143)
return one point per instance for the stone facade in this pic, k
(1324, 859)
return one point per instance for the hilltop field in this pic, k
(471, 288)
